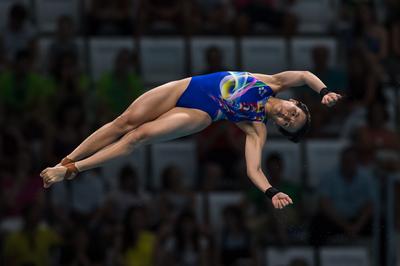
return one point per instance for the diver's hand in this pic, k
(281, 200)
(53, 175)
(56, 174)
(331, 99)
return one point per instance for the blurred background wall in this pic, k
(68, 67)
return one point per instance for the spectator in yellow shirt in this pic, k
(139, 244)
(117, 88)
(33, 243)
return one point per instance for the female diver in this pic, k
(183, 107)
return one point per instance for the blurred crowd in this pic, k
(49, 103)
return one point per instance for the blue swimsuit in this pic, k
(234, 96)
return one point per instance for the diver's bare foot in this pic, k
(56, 174)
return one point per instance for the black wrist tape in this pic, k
(271, 192)
(323, 92)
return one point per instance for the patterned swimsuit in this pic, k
(233, 96)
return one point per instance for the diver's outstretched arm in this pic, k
(256, 134)
(290, 79)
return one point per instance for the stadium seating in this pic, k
(286, 255)
(47, 12)
(4, 9)
(315, 16)
(103, 52)
(322, 152)
(162, 59)
(216, 202)
(137, 160)
(301, 48)
(199, 45)
(179, 153)
(344, 256)
(291, 157)
(45, 42)
(264, 55)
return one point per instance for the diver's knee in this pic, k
(125, 122)
(137, 137)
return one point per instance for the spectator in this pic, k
(368, 46)
(392, 9)
(63, 43)
(163, 217)
(174, 191)
(111, 17)
(105, 232)
(377, 128)
(161, 16)
(139, 245)
(187, 246)
(27, 181)
(214, 60)
(193, 17)
(274, 225)
(72, 85)
(218, 16)
(256, 13)
(77, 249)
(129, 193)
(369, 35)
(368, 40)
(323, 124)
(312, 17)
(33, 243)
(80, 199)
(18, 31)
(36, 131)
(298, 262)
(71, 120)
(236, 247)
(275, 166)
(334, 77)
(20, 184)
(212, 176)
(379, 137)
(36, 60)
(12, 144)
(397, 209)
(392, 63)
(222, 144)
(346, 203)
(365, 81)
(118, 88)
(4, 62)
(23, 90)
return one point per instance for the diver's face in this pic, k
(288, 116)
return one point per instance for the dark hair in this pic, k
(296, 136)
(274, 158)
(21, 55)
(186, 215)
(348, 150)
(131, 233)
(18, 11)
(374, 107)
(167, 175)
(65, 18)
(127, 171)
(236, 213)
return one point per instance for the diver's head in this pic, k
(291, 117)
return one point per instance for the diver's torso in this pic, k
(239, 95)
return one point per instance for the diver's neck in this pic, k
(271, 106)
